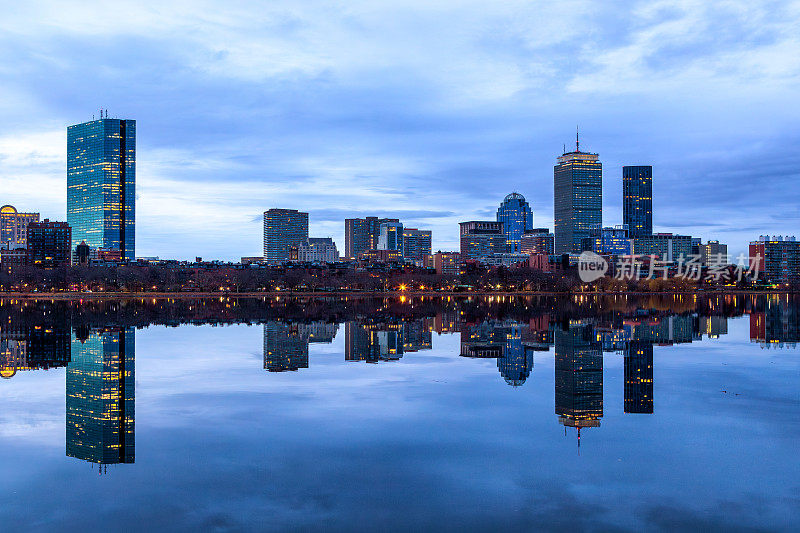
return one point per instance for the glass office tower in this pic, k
(637, 200)
(577, 199)
(100, 397)
(101, 184)
(517, 217)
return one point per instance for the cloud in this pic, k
(435, 111)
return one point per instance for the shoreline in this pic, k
(76, 296)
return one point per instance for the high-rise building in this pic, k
(637, 199)
(49, 244)
(639, 377)
(777, 258)
(391, 237)
(101, 185)
(517, 218)
(362, 235)
(714, 253)
(578, 198)
(481, 238)
(537, 241)
(14, 227)
(416, 244)
(100, 397)
(283, 229)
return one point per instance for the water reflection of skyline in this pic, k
(100, 359)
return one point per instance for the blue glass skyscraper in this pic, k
(637, 200)
(101, 184)
(517, 217)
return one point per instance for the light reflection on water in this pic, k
(477, 414)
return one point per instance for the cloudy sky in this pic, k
(429, 111)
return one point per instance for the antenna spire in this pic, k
(577, 140)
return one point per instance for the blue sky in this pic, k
(430, 111)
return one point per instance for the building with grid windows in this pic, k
(480, 238)
(577, 198)
(284, 229)
(609, 241)
(637, 199)
(101, 185)
(100, 426)
(49, 244)
(14, 227)
(362, 235)
(517, 218)
(776, 258)
(416, 244)
(537, 241)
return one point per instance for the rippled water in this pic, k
(472, 414)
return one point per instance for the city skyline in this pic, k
(265, 108)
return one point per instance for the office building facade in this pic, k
(481, 238)
(637, 199)
(14, 227)
(537, 241)
(283, 230)
(49, 244)
(101, 185)
(609, 241)
(517, 218)
(362, 234)
(577, 199)
(714, 253)
(416, 244)
(665, 246)
(777, 259)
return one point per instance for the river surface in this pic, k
(401, 414)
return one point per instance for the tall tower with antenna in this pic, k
(577, 198)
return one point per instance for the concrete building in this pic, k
(318, 250)
(480, 238)
(446, 263)
(283, 229)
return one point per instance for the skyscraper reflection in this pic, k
(100, 397)
(285, 349)
(639, 377)
(578, 376)
(503, 340)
